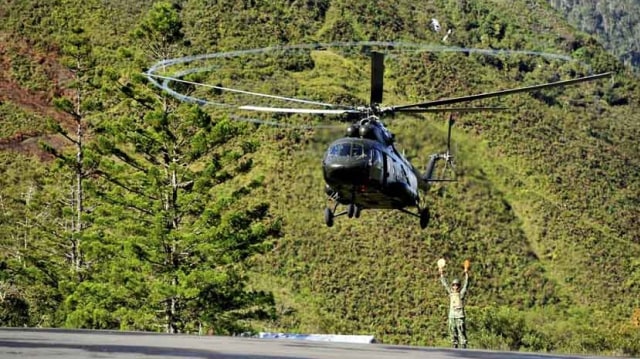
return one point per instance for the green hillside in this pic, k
(615, 22)
(191, 222)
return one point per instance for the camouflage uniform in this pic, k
(456, 311)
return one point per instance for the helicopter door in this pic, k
(411, 180)
(390, 169)
(377, 173)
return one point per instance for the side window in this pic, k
(356, 150)
(404, 173)
(376, 158)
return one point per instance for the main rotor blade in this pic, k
(243, 92)
(297, 110)
(448, 109)
(377, 77)
(449, 101)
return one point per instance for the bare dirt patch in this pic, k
(40, 102)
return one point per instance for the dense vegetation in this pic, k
(615, 22)
(138, 211)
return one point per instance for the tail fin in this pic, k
(427, 176)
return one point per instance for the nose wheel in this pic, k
(328, 217)
(351, 212)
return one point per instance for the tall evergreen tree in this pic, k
(80, 102)
(44, 247)
(175, 244)
(28, 262)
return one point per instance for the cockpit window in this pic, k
(340, 150)
(347, 150)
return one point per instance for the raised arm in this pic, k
(465, 284)
(443, 280)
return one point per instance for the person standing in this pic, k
(457, 327)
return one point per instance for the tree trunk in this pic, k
(76, 231)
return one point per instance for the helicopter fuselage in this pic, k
(369, 172)
(362, 172)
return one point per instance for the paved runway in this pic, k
(75, 344)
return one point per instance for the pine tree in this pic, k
(32, 260)
(175, 245)
(80, 102)
(177, 251)
(44, 243)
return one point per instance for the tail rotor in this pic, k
(449, 164)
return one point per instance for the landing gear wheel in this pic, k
(328, 217)
(357, 214)
(424, 217)
(351, 210)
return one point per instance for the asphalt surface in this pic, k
(75, 344)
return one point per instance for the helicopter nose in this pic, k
(346, 172)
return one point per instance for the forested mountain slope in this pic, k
(615, 22)
(176, 218)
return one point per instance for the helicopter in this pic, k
(364, 169)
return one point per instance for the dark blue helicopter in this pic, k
(364, 170)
